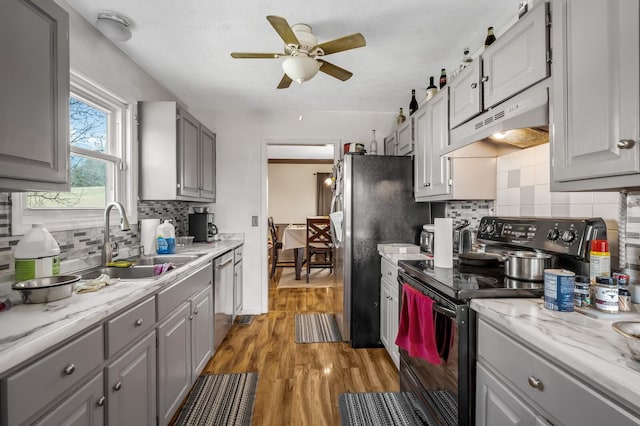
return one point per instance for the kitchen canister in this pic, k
(606, 295)
(559, 288)
(148, 235)
(37, 254)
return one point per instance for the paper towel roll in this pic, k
(443, 243)
(148, 235)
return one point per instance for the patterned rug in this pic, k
(316, 328)
(220, 400)
(447, 404)
(381, 409)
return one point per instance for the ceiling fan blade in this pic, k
(244, 55)
(283, 29)
(334, 70)
(285, 82)
(341, 44)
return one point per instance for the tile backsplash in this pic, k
(80, 243)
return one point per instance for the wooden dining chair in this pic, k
(275, 245)
(319, 243)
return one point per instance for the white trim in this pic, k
(125, 189)
(264, 255)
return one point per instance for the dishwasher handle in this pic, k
(226, 262)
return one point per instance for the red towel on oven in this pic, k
(416, 331)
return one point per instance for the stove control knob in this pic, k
(553, 234)
(568, 236)
(489, 228)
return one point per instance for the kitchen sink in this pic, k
(178, 259)
(134, 272)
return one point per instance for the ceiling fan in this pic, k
(303, 53)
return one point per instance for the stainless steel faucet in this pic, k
(107, 251)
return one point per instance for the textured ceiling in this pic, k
(186, 45)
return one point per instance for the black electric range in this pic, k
(464, 282)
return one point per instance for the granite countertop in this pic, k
(28, 329)
(587, 347)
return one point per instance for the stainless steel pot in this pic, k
(46, 289)
(527, 265)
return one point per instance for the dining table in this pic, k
(295, 237)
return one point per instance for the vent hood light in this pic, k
(517, 123)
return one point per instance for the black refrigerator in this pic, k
(373, 203)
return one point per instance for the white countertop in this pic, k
(587, 347)
(28, 329)
(394, 257)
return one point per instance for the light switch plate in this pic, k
(254, 220)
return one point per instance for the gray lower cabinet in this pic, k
(185, 338)
(516, 381)
(595, 95)
(237, 282)
(131, 385)
(174, 362)
(83, 407)
(389, 309)
(34, 83)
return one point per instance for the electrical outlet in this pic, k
(254, 220)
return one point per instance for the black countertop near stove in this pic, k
(464, 282)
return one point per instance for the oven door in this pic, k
(445, 389)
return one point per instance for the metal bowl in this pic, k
(46, 289)
(631, 331)
(200, 209)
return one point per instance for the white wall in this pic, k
(292, 191)
(242, 166)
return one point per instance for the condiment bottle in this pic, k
(606, 295)
(599, 260)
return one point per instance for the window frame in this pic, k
(121, 154)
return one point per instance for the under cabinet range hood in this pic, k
(519, 122)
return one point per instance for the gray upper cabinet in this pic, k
(177, 154)
(466, 94)
(405, 137)
(518, 59)
(596, 95)
(34, 83)
(391, 144)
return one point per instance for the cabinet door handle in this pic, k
(195, 312)
(138, 322)
(100, 401)
(389, 273)
(474, 85)
(535, 383)
(426, 185)
(485, 78)
(69, 369)
(190, 317)
(117, 386)
(224, 263)
(626, 143)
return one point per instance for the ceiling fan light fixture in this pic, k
(114, 26)
(300, 68)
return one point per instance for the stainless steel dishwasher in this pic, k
(223, 297)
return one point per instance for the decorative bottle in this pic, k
(373, 145)
(401, 118)
(490, 37)
(443, 78)
(431, 89)
(466, 59)
(413, 105)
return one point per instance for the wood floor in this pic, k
(299, 384)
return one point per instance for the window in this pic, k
(99, 139)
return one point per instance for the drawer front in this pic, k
(237, 255)
(170, 298)
(389, 271)
(558, 393)
(35, 386)
(131, 324)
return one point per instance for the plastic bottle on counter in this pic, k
(599, 260)
(36, 255)
(166, 238)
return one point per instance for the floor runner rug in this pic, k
(381, 409)
(220, 399)
(447, 405)
(316, 328)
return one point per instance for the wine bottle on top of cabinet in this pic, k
(490, 37)
(443, 78)
(413, 105)
(373, 145)
(401, 118)
(431, 89)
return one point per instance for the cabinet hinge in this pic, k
(549, 56)
(177, 116)
(450, 182)
(547, 20)
(136, 119)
